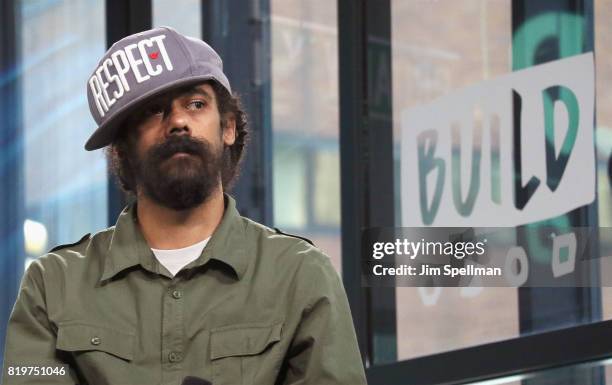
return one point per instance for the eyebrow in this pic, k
(182, 93)
(197, 91)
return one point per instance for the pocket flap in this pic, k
(77, 337)
(242, 340)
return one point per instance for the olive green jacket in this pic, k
(257, 307)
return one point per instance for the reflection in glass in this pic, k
(327, 184)
(290, 187)
(599, 372)
(65, 186)
(305, 121)
(186, 18)
(440, 46)
(603, 131)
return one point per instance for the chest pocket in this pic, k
(240, 352)
(104, 342)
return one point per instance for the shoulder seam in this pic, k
(294, 236)
(86, 236)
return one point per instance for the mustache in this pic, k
(176, 144)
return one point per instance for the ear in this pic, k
(229, 131)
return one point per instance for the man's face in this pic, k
(178, 146)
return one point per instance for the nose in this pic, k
(177, 122)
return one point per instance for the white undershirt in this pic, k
(175, 259)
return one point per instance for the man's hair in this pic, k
(120, 150)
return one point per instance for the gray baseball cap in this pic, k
(143, 65)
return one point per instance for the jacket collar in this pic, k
(128, 247)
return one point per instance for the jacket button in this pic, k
(95, 340)
(177, 294)
(175, 356)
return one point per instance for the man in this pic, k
(182, 285)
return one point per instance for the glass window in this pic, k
(305, 121)
(603, 131)
(290, 168)
(596, 372)
(56, 192)
(186, 18)
(326, 184)
(471, 42)
(65, 186)
(441, 47)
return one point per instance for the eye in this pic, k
(197, 104)
(153, 109)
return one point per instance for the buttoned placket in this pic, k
(173, 330)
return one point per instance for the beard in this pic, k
(182, 181)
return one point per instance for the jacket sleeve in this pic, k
(324, 349)
(31, 340)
